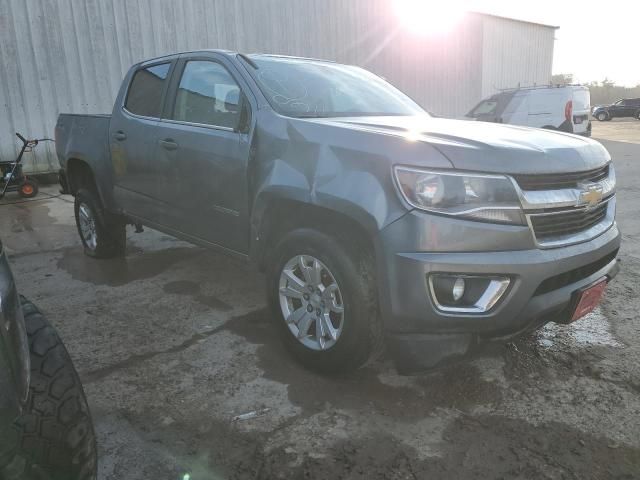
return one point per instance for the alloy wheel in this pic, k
(87, 223)
(311, 302)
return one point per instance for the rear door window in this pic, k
(207, 95)
(581, 100)
(146, 89)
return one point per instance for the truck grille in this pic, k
(557, 181)
(552, 225)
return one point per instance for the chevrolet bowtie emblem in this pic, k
(590, 195)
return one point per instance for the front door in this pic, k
(617, 109)
(204, 155)
(131, 139)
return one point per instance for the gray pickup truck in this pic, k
(372, 220)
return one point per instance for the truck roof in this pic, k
(231, 53)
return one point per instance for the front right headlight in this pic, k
(489, 198)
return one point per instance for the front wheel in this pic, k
(102, 234)
(602, 116)
(324, 302)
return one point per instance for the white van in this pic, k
(557, 107)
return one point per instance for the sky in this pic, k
(597, 39)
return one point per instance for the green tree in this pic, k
(562, 78)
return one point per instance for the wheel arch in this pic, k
(279, 216)
(80, 173)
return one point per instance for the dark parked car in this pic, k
(625, 107)
(45, 425)
(371, 218)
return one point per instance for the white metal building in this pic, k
(71, 55)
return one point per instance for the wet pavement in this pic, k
(173, 342)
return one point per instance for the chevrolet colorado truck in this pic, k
(45, 425)
(373, 220)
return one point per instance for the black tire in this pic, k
(602, 117)
(110, 231)
(361, 340)
(57, 440)
(28, 188)
(638, 115)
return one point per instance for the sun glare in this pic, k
(425, 17)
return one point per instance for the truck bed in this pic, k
(85, 138)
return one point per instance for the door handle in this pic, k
(120, 135)
(168, 144)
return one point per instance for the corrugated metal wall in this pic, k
(515, 54)
(70, 55)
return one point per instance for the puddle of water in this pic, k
(593, 329)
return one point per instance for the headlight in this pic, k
(491, 198)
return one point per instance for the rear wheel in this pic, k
(57, 440)
(323, 299)
(103, 235)
(28, 188)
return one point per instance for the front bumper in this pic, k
(541, 289)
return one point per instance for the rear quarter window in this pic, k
(145, 92)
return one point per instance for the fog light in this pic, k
(458, 289)
(466, 293)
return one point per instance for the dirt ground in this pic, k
(173, 342)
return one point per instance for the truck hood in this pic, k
(488, 147)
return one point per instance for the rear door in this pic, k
(132, 131)
(629, 108)
(581, 100)
(204, 152)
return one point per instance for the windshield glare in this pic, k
(305, 88)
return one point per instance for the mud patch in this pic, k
(120, 271)
(471, 448)
(483, 447)
(458, 386)
(187, 287)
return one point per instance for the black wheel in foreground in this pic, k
(57, 440)
(602, 116)
(103, 235)
(28, 188)
(324, 303)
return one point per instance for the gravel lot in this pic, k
(173, 342)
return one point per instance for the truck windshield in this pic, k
(313, 89)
